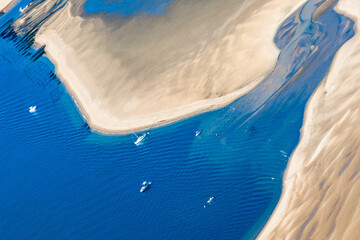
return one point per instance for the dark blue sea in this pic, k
(61, 180)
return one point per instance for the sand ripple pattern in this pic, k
(60, 180)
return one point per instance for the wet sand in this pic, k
(321, 193)
(130, 74)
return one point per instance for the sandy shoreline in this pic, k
(6, 5)
(321, 184)
(156, 119)
(120, 86)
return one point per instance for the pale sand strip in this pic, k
(76, 86)
(6, 5)
(161, 69)
(321, 194)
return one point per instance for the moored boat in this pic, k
(145, 186)
(32, 109)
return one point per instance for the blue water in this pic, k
(60, 180)
(127, 7)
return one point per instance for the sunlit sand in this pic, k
(145, 71)
(320, 199)
(6, 5)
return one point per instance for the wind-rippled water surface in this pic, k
(60, 180)
(127, 7)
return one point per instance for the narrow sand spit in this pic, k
(132, 73)
(321, 195)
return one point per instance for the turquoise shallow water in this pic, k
(60, 180)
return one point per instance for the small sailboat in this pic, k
(22, 9)
(210, 201)
(140, 138)
(145, 186)
(197, 133)
(32, 109)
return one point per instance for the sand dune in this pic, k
(321, 192)
(129, 73)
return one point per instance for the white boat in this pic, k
(283, 153)
(145, 185)
(22, 9)
(197, 133)
(208, 202)
(32, 109)
(140, 139)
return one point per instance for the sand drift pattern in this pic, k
(60, 180)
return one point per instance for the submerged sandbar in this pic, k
(320, 198)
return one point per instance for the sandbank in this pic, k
(132, 73)
(321, 186)
(6, 5)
